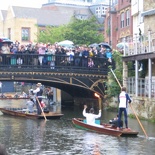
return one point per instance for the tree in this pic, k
(78, 31)
(84, 31)
(52, 34)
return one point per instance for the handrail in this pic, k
(57, 61)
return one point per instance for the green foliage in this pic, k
(79, 31)
(52, 34)
(84, 31)
(112, 84)
(131, 70)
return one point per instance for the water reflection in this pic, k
(59, 137)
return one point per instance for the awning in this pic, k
(148, 13)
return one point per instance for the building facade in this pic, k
(23, 24)
(118, 23)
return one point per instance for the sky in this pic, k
(27, 3)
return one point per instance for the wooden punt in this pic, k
(19, 112)
(106, 129)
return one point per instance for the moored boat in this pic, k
(19, 112)
(104, 128)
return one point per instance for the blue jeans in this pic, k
(125, 117)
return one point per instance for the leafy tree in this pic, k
(84, 31)
(78, 31)
(52, 34)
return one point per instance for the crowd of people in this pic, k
(54, 54)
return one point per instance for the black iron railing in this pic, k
(49, 62)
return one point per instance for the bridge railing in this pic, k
(52, 62)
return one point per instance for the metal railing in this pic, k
(140, 45)
(53, 62)
(143, 87)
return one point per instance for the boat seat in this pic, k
(96, 121)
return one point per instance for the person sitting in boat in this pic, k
(44, 107)
(114, 122)
(16, 96)
(90, 117)
(24, 95)
(3, 96)
(30, 105)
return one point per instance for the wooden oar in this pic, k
(41, 109)
(131, 106)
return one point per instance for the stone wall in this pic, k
(143, 107)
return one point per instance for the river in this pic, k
(59, 137)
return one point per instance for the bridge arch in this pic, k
(76, 84)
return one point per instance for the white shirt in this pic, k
(90, 118)
(122, 98)
(36, 91)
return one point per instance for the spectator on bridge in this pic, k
(70, 57)
(20, 57)
(85, 55)
(51, 49)
(91, 53)
(95, 51)
(77, 56)
(41, 52)
(60, 58)
(5, 49)
(35, 57)
(101, 53)
(90, 63)
(108, 54)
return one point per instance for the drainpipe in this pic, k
(136, 68)
(149, 65)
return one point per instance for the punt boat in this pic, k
(20, 112)
(104, 128)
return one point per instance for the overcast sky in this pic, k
(4, 4)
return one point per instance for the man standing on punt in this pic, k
(38, 93)
(124, 99)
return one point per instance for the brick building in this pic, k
(118, 23)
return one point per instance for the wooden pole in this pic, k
(41, 109)
(100, 100)
(131, 106)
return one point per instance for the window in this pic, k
(25, 34)
(127, 17)
(122, 20)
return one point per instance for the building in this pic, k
(118, 23)
(23, 24)
(142, 86)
